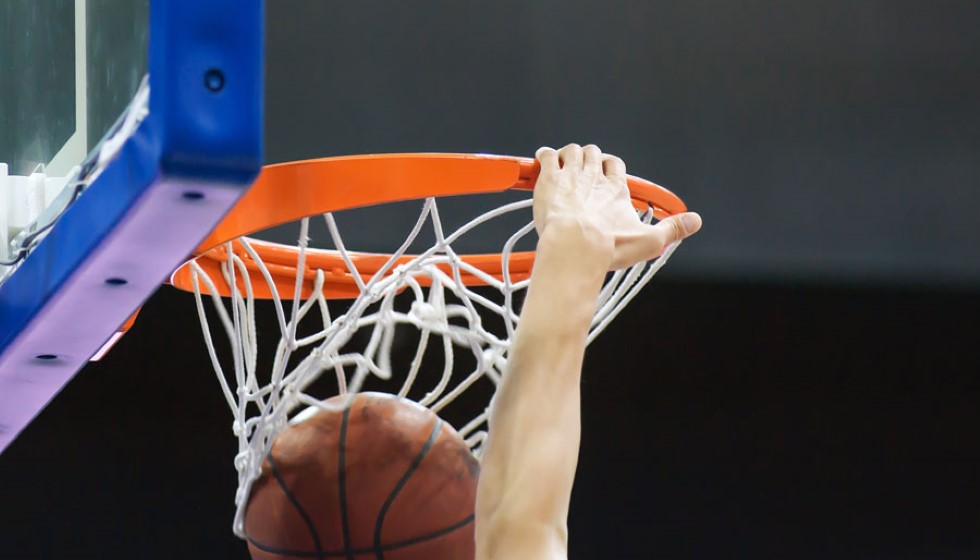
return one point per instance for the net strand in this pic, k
(450, 320)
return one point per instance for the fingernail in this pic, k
(691, 221)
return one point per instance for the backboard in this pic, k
(129, 127)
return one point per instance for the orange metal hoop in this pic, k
(287, 192)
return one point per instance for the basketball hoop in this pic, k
(466, 302)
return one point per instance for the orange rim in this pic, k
(288, 192)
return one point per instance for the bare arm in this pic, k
(586, 227)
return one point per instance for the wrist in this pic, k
(569, 268)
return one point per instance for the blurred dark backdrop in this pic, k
(801, 380)
(828, 140)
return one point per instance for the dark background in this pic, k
(800, 381)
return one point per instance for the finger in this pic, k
(548, 158)
(570, 157)
(654, 239)
(673, 229)
(649, 242)
(613, 167)
(592, 160)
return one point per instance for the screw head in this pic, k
(214, 80)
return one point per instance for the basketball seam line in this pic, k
(433, 437)
(349, 552)
(342, 479)
(389, 547)
(299, 508)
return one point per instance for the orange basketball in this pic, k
(383, 478)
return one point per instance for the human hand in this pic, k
(581, 200)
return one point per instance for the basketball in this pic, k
(380, 477)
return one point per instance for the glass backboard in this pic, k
(70, 67)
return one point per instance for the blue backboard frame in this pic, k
(197, 151)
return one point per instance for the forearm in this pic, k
(530, 458)
(588, 226)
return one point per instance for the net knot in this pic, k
(428, 314)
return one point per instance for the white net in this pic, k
(417, 330)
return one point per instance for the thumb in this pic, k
(674, 228)
(652, 240)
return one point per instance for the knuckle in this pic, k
(653, 245)
(677, 230)
(656, 249)
(614, 164)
